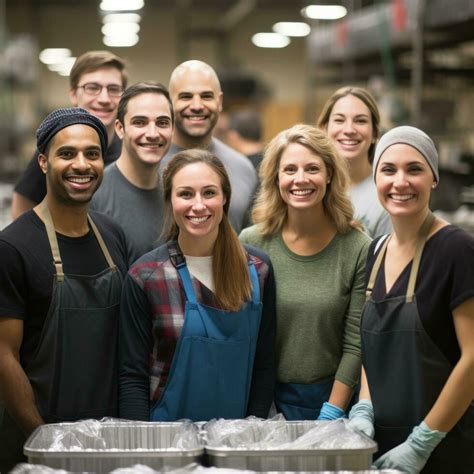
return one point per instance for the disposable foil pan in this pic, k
(126, 444)
(274, 459)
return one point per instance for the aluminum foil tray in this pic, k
(274, 459)
(121, 445)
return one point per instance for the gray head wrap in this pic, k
(62, 118)
(408, 136)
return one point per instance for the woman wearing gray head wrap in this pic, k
(417, 325)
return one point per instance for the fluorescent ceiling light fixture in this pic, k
(118, 29)
(54, 55)
(324, 12)
(64, 67)
(121, 18)
(270, 40)
(121, 5)
(292, 28)
(123, 41)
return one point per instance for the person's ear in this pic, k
(43, 162)
(119, 129)
(73, 97)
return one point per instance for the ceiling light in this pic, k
(117, 29)
(270, 40)
(64, 67)
(121, 18)
(292, 28)
(121, 5)
(122, 41)
(54, 55)
(324, 12)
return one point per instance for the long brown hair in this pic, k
(229, 264)
(366, 97)
(270, 211)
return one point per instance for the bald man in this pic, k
(197, 102)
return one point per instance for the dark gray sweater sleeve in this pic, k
(135, 346)
(263, 377)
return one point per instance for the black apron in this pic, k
(73, 373)
(406, 372)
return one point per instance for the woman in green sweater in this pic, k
(304, 222)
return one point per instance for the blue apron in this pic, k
(212, 366)
(301, 401)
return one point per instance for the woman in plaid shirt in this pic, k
(197, 322)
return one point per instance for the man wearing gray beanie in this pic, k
(60, 287)
(408, 136)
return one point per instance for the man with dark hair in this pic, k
(245, 134)
(60, 288)
(197, 101)
(130, 192)
(96, 80)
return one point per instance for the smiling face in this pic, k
(74, 165)
(302, 177)
(103, 105)
(197, 102)
(404, 181)
(350, 128)
(198, 202)
(147, 128)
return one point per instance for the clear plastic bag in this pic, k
(256, 433)
(188, 436)
(25, 468)
(248, 432)
(78, 437)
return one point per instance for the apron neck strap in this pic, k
(375, 268)
(420, 244)
(102, 245)
(254, 281)
(53, 241)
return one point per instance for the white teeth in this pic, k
(402, 197)
(301, 192)
(349, 142)
(198, 219)
(79, 180)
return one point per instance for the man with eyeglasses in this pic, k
(97, 81)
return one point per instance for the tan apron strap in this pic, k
(375, 269)
(102, 245)
(420, 244)
(53, 241)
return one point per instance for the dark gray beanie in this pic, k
(408, 136)
(62, 118)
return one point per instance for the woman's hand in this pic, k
(411, 456)
(361, 418)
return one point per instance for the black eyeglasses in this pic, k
(93, 88)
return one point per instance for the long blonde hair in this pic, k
(229, 264)
(270, 211)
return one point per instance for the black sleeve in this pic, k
(32, 183)
(13, 287)
(135, 346)
(263, 377)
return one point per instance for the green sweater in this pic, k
(319, 302)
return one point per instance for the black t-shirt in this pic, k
(32, 183)
(27, 269)
(445, 280)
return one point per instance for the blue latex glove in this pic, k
(330, 412)
(411, 456)
(361, 417)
